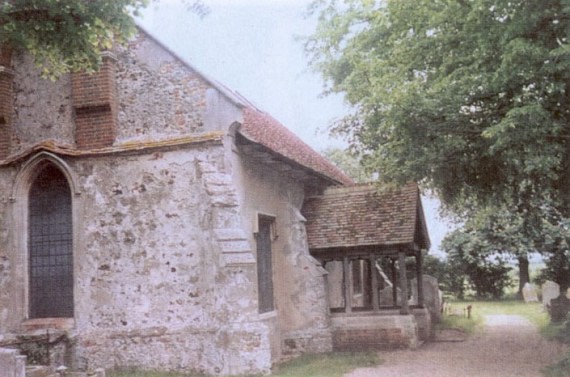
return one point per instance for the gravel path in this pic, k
(509, 346)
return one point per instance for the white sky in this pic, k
(250, 46)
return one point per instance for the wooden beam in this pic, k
(420, 278)
(347, 285)
(405, 308)
(374, 283)
(394, 285)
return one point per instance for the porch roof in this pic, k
(361, 217)
(261, 128)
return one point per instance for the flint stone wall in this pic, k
(158, 97)
(157, 280)
(42, 108)
(150, 270)
(147, 75)
(164, 248)
(7, 271)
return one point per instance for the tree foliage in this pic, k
(450, 275)
(557, 243)
(470, 97)
(349, 163)
(557, 269)
(67, 35)
(70, 35)
(474, 266)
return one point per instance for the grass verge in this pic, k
(334, 364)
(531, 311)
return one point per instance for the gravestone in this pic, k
(559, 308)
(12, 364)
(432, 297)
(550, 290)
(529, 293)
(568, 293)
(386, 296)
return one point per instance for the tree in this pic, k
(469, 97)
(449, 273)
(557, 261)
(493, 232)
(471, 259)
(348, 163)
(70, 35)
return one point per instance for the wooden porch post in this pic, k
(374, 283)
(347, 285)
(394, 285)
(403, 283)
(420, 278)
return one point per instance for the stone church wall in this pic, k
(158, 95)
(155, 96)
(153, 288)
(42, 108)
(301, 317)
(164, 249)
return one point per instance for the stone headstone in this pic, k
(432, 297)
(550, 290)
(386, 296)
(529, 293)
(568, 293)
(12, 364)
(559, 308)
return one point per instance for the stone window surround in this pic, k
(18, 235)
(273, 235)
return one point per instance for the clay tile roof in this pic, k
(263, 129)
(355, 216)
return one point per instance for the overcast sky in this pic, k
(251, 47)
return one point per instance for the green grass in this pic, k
(333, 364)
(560, 369)
(470, 326)
(328, 365)
(532, 311)
(135, 373)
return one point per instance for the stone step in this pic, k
(45, 371)
(40, 371)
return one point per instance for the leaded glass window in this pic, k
(264, 265)
(50, 245)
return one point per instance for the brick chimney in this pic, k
(95, 103)
(6, 101)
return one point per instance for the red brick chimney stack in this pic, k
(6, 100)
(95, 103)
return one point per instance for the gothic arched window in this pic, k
(50, 245)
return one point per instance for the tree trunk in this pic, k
(524, 275)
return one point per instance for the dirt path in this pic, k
(509, 346)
